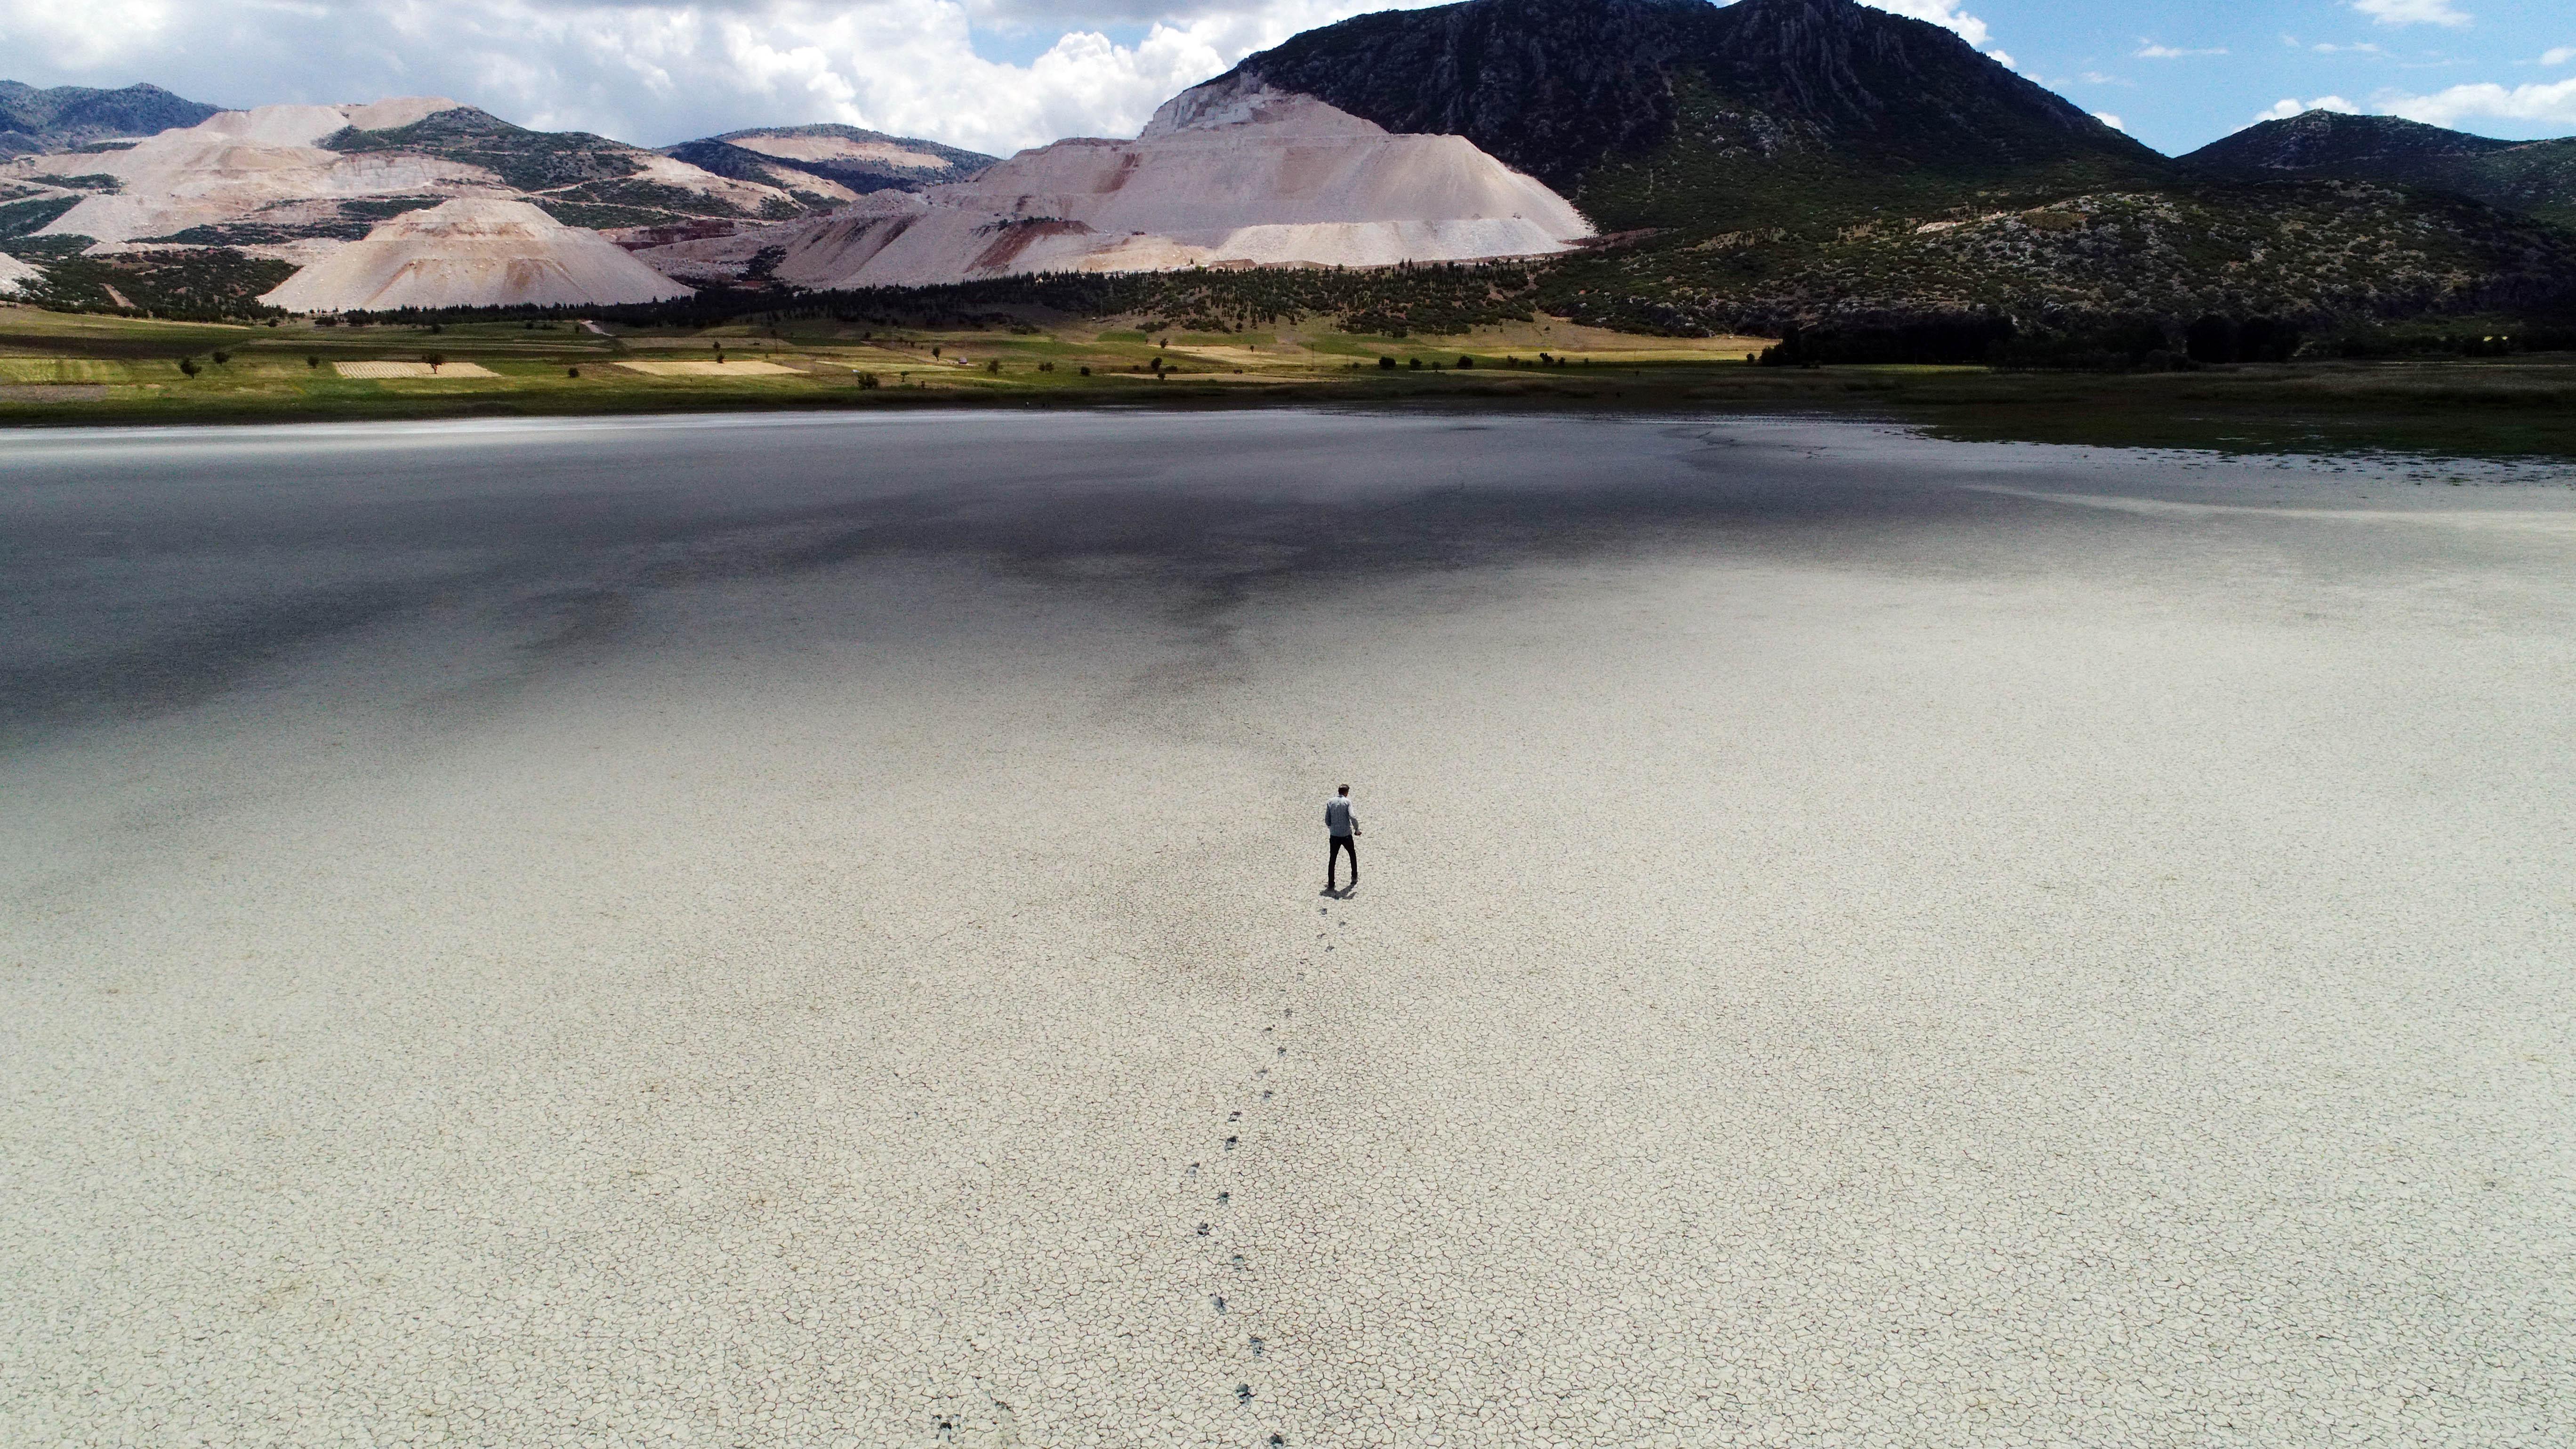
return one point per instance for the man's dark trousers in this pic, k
(1334, 858)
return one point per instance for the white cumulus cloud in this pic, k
(2553, 104)
(2286, 107)
(2152, 51)
(1948, 14)
(2412, 12)
(2112, 121)
(1951, 15)
(659, 71)
(2560, 56)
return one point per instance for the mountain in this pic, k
(1232, 173)
(591, 181)
(863, 161)
(1825, 163)
(2536, 177)
(1659, 113)
(34, 121)
(231, 205)
(294, 181)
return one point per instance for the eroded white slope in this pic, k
(15, 275)
(474, 253)
(232, 164)
(1229, 173)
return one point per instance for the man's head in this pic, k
(1346, 789)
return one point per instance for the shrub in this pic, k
(436, 360)
(1387, 363)
(994, 367)
(188, 366)
(222, 356)
(312, 361)
(572, 372)
(1086, 372)
(1466, 362)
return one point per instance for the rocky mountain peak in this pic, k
(2316, 139)
(1555, 87)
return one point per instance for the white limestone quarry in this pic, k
(792, 146)
(234, 163)
(241, 163)
(474, 252)
(1233, 172)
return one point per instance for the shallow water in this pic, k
(779, 930)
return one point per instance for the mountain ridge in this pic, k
(1575, 91)
(2534, 177)
(34, 122)
(862, 160)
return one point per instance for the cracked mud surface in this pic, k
(804, 932)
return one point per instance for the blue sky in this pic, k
(998, 75)
(2182, 73)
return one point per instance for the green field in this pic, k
(58, 368)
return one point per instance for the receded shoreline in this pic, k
(801, 929)
(58, 370)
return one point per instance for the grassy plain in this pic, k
(74, 369)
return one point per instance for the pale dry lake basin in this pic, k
(798, 931)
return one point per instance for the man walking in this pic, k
(1344, 827)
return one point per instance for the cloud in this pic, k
(2112, 121)
(2560, 56)
(659, 71)
(2553, 104)
(2153, 51)
(2285, 108)
(2412, 12)
(1948, 14)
